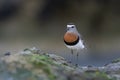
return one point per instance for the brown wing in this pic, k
(70, 37)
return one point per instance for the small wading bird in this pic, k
(73, 39)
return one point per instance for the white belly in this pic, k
(78, 46)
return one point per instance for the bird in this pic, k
(72, 39)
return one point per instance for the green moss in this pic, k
(116, 60)
(26, 49)
(97, 76)
(49, 73)
(33, 65)
(42, 62)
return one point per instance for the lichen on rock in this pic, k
(33, 64)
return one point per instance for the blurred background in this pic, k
(42, 24)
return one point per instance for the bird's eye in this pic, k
(72, 27)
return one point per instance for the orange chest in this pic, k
(70, 37)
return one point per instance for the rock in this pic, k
(7, 54)
(33, 64)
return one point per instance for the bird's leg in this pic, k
(77, 54)
(77, 59)
(71, 55)
(72, 51)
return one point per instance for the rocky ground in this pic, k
(33, 64)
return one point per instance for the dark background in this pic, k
(42, 24)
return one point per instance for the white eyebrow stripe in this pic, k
(70, 25)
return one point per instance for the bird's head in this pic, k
(71, 27)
